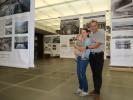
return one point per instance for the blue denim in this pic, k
(86, 54)
(81, 73)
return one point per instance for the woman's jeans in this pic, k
(81, 73)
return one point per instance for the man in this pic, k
(96, 57)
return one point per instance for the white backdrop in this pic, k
(17, 35)
(66, 49)
(122, 33)
(52, 44)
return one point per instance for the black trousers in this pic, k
(96, 63)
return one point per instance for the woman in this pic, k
(82, 62)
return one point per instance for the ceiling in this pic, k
(48, 12)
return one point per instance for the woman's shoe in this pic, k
(78, 91)
(83, 94)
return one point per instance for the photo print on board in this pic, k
(122, 8)
(47, 47)
(54, 47)
(72, 41)
(21, 27)
(8, 22)
(21, 42)
(8, 31)
(2, 27)
(5, 44)
(100, 17)
(10, 7)
(56, 39)
(122, 25)
(70, 26)
(123, 44)
(101, 25)
(48, 39)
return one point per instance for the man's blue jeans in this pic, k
(81, 73)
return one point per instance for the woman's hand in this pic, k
(82, 49)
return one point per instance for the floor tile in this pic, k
(42, 83)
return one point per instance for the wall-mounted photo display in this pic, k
(47, 48)
(100, 17)
(10, 7)
(122, 24)
(21, 27)
(21, 42)
(123, 44)
(67, 46)
(1, 27)
(54, 47)
(8, 22)
(5, 44)
(56, 39)
(8, 31)
(72, 41)
(70, 26)
(17, 33)
(122, 48)
(48, 39)
(122, 33)
(122, 8)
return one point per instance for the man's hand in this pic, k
(82, 49)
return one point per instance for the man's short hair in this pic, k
(93, 21)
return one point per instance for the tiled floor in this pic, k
(55, 79)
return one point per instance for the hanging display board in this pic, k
(66, 46)
(48, 44)
(70, 25)
(17, 33)
(56, 45)
(52, 45)
(122, 33)
(99, 16)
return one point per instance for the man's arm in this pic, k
(99, 40)
(96, 45)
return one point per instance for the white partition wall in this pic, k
(52, 45)
(17, 33)
(122, 33)
(70, 27)
(66, 46)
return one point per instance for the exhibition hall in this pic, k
(66, 49)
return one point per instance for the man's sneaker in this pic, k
(83, 94)
(78, 91)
